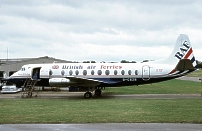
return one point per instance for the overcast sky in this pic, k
(100, 30)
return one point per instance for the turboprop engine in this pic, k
(60, 82)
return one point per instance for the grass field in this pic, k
(101, 111)
(166, 87)
(110, 110)
(197, 73)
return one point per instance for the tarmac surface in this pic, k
(196, 79)
(79, 95)
(104, 126)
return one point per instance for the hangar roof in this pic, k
(44, 59)
(9, 66)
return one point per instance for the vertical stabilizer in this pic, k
(183, 50)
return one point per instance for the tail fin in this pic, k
(182, 51)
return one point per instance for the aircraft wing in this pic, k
(88, 82)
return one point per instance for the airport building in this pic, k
(9, 66)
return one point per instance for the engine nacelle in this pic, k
(60, 82)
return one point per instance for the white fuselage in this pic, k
(61, 74)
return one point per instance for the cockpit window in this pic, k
(22, 69)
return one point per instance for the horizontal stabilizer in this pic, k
(198, 65)
(184, 64)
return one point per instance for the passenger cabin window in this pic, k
(84, 72)
(70, 72)
(62, 72)
(50, 72)
(77, 72)
(107, 72)
(136, 72)
(99, 72)
(115, 72)
(129, 72)
(92, 72)
(122, 72)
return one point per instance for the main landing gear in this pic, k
(88, 94)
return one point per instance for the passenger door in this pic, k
(145, 72)
(35, 73)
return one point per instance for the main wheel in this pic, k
(88, 95)
(98, 92)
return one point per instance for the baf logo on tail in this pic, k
(183, 50)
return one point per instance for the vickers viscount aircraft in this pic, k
(94, 76)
